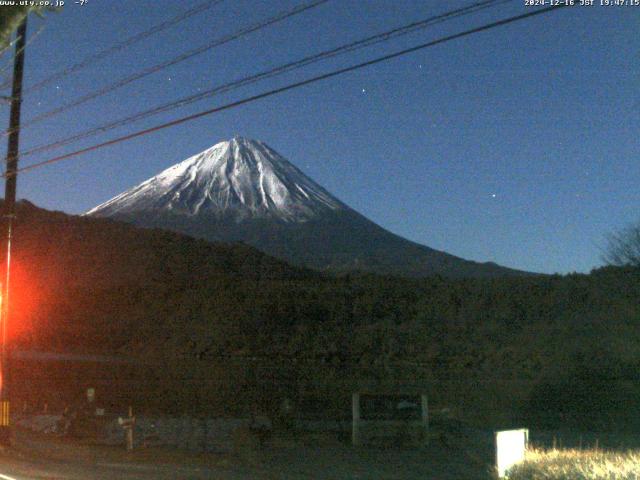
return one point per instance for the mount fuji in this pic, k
(242, 190)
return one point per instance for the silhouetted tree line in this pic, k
(224, 328)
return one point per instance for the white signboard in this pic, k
(510, 448)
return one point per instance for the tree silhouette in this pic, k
(623, 247)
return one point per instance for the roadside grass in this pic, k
(552, 464)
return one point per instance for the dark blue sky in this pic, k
(517, 145)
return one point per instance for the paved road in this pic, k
(15, 466)
(304, 466)
(38, 457)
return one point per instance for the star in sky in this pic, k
(488, 118)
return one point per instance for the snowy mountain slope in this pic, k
(236, 179)
(243, 191)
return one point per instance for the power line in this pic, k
(185, 56)
(10, 62)
(286, 88)
(8, 46)
(124, 44)
(286, 68)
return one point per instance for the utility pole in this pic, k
(9, 215)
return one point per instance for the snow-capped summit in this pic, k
(239, 178)
(241, 190)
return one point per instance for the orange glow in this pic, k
(25, 296)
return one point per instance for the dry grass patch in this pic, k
(577, 465)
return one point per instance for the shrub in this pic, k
(577, 465)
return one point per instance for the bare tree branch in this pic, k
(623, 247)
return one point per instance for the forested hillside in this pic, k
(212, 320)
